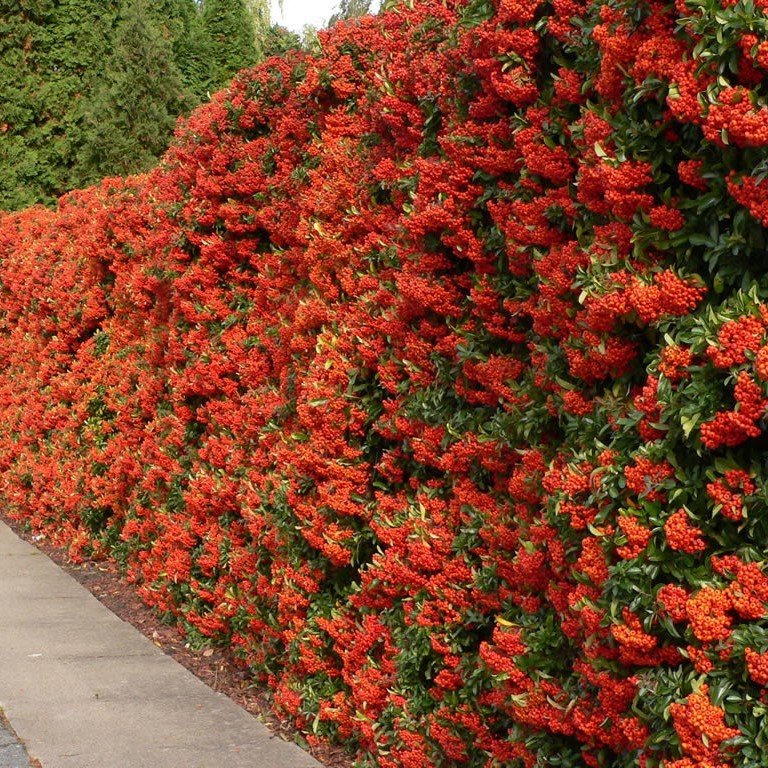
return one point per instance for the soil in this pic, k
(217, 668)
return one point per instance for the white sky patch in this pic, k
(296, 14)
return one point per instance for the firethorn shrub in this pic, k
(429, 373)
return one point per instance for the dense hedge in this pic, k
(430, 373)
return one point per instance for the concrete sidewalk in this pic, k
(83, 689)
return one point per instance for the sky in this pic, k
(297, 13)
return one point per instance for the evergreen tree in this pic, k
(180, 23)
(77, 77)
(195, 61)
(18, 107)
(130, 117)
(231, 31)
(50, 52)
(76, 40)
(259, 11)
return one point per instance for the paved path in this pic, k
(12, 754)
(83, 689)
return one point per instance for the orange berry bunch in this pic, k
(673, 598)
(761, 362)
(735, 338)
(745, 125)
(752, 193)
(757, 666)
(681, 535)
(749, 591)
(669, 294)
(647, 403)
(674, 362)
(755, 49)
(689, 172)
(709, 613)
(701, 729)
(666, 217)
(730, 428)
(637, 536)
(728, 493)
(645, 478)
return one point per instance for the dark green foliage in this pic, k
(17, 108)
(180, 24)
(50, 53)
(130, 117)
(229, 26)
(69, 104)
(193, 56)
(75, 42)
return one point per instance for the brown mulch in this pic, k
(217, 668)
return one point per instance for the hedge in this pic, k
(430, 374)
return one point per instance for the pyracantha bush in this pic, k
(430, 373)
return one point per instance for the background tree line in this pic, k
(92, 88)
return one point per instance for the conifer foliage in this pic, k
(50, 55)
(230, 29)
(135, 103)
(90, 88)
(18, 107)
